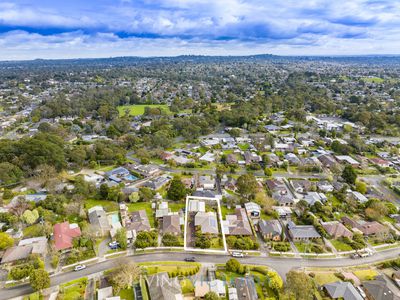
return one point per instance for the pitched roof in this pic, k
(161, 287)
(302, 231)
(336, 229)
(378, 289)
(271, 226)
(343, 290)
(64, 233)
(16, 253)
(138, 221)
(98, 217)
(207, 221)
(238, 224)
(171, 224)
(246, 289)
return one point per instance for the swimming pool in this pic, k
(131, 177)
(114, 218)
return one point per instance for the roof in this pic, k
(238, 224)
(197, 205)
(207, 221)
(378, 289)
(302, 231)
(104, 293)
(343, 290)
(367, 228)
(161, 287)
(64, 233)
(251, 206)
(171, 224)
(138, 221)
(39, 244)
(98, 217)
(271, 226)
(336, 229)
(246, 288)
(201, 288)
(16, 253)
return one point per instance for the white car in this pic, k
(79, 267)
(237, 254)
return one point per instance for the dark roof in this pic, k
(378, 290)
(246, 288)
(271, 226)
(343, 290)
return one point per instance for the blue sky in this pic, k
(32, 29)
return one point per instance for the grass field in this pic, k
(107, 205)
(322, 278)
(226, 211)
(365, 274)
(187, 286)
(373, 79)
(340, 246)
(138, 109)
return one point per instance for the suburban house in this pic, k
(301, 186)
(270, 230)
(237, 224)
(253, 209)
(206, 182)
(120, 174)
(246, 288)
(302, 232)
(381, 162)
(251, 157)
(327, 160)
(207, 221)
(158, 182)
(98, 218)
(345, 159)
(171, 224)
(336, 230)
(64, 233)
(136, 220)
(342, 290)
(325, 186)
(36, 245)
(378, 289)
(197, 206)
(358, 196)
(285, 199)
(367, 228)
(312, 197)
(161, 287)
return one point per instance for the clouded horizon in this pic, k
(103, 28)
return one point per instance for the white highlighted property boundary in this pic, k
(188, 198)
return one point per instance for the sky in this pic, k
(50, 29)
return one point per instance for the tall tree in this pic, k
(247, 185)
(177, 190)
(299, 285)
(39, 279)
(349, 174)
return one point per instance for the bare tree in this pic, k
(125, 273)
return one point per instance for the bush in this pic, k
(21, 272)
(55, 259)
(146, 239)
(170, 240)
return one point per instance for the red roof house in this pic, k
(64, 233)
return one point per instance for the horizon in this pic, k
(46, 30)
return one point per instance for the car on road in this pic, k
(79, 267)
(237, 254)
(190, 259)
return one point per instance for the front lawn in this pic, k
(187, 286)
(322, 278)
(126, 294)
(72, 290)
(368, 274)
(341, 246)
(227, 211)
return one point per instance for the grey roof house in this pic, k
(98, 218)
(270, 230)
(342, 290)
(207, 221)
(161, 287)
(302, 232)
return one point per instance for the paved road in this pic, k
(281, 265)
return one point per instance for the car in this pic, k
(237, 254)
(113, 244)
(79, 267)
(190, 259)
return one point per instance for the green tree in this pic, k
(146, 194)
(125, 273)
(30, 216)
(300, 285)
(349, 174)
(177, 190)
(6, 241)
(120, 237)
(39, 279)
(247, 185)
(10, 173)
(361, 187)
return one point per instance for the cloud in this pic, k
(200, 26)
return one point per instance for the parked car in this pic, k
(79, 267)
(190, 259)
(113, 245)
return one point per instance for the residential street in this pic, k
(281, 265)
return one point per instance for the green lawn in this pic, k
(126, 294)
(73, 290)
(365, 274)
(302, 247)
(226, 211)
(143, 205)
(108, 206)
(244, 147)
(33, 231)
(373, 79)
(138, 109)
(176, 206)
(340, 246)
(322, 278)
(187, 286)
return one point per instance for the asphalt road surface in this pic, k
(281, 265)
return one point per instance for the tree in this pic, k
(211, 296)
(120, 237)
(361, 187)
(177, 190)
(10, 173)
(39, 279)
(134, 197)
(376, 210)
(349, 174)
(30, 216)
(6, 241)
(247, 185)
(145, 194)
(125, 273)
(300, 285)
(233, 265)
(274, 281)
